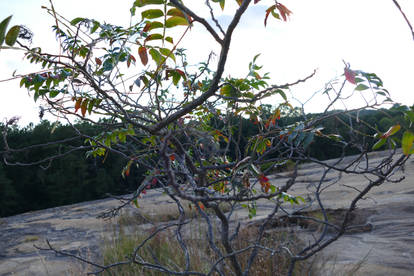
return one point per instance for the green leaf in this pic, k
(409, 115)
(169, 39)
(141, 3)
(379, 144)
(166, 52)
(391, 131)
(335, 137)
(275, 14)
(358, 80)
(226, 90)
(361, 87)
(152, 13)
(22, 82)
(300, 198)
(76, 21)
(53, 93)
(155, 25)
(222, 3)
(12, 35)
(175, 12)
(407, 142)
(175, 21)
(282, 93)
(90, 106)
(3, 27)
(95, 26)
(36, 96)
(176, 77)
(122, 137)
(156, 56)
(154, 37)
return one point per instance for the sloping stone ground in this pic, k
(387, 249)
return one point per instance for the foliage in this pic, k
(68, 179)
(96, 176)
(186, 128)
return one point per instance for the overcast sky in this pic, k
(371, 35)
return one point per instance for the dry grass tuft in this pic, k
(165, 250)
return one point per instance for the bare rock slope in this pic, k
(386, 248)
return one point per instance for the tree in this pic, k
(186, 127)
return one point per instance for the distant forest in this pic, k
(74, 178)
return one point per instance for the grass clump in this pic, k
(164, 249)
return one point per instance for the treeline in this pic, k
(68, 179)
(73, 178)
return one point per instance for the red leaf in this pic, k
(130, 58)
(172, 157)
(264, 181)
(284, 12)
(98, 61)
(180, 72)
(350, 75)
(256, 1)
(142, 51)
(146, 28)
(154, 181)
(263, 178)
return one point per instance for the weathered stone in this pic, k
(383, 240)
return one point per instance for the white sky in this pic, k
(371, 35)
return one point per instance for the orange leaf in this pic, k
(84, 106)
(78, 104)
(201, 205)
(172, 157)
(284, 12)
(142, 51)
(268, 11)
